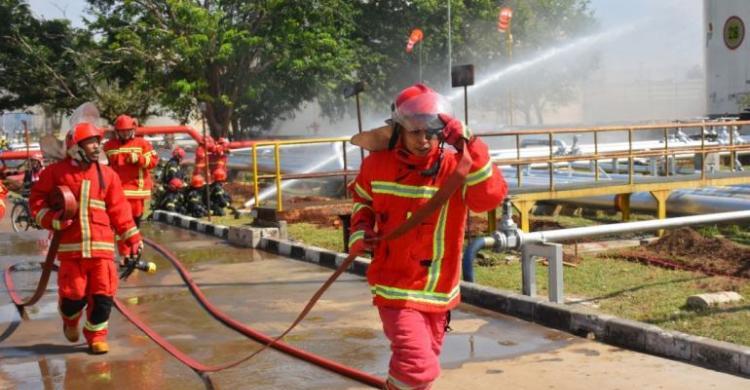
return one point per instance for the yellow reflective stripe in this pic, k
(124, 150)
(96, 327)
(40, 216)
(137, 192)
(103, 246)
(55, 224)
(96, 245)
(433, 298)
(356, 236)
(140, 178)
(438, 249)
(479, 175)
(465, 131)
(98, 204)
(147, 159)
(69, 247)
(361, 191)
(83, 218)
(402, 190)
(393, 382)
(359, 206)
(130, 233)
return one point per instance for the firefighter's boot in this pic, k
(99, 347)
(71, 333)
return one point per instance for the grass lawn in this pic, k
(611, 285)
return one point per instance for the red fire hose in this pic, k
(443, 195)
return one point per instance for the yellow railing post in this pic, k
(524, 209)
(661, 206)
(277, 161)
(256, 181)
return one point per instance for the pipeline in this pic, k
(510, 237)
(19, 154)
(477, 244)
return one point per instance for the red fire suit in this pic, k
(133, 161)
(3, 195)
(87, 274)
(419, 272)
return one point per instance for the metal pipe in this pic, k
(680, 202)
(628, 227)
(471, 252)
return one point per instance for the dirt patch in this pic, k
(239, 190)
(317, 210)
(686, 249)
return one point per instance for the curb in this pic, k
(191, 223)
(634, 335)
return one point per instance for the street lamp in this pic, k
(504, 25)
(463, 76)
(354, 90)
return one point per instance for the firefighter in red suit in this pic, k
(415, 279)
(87, 276)
(132, 158)
(3, 195)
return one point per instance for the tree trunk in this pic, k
(527, 114)
(539, 111)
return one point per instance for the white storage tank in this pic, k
(727, 57)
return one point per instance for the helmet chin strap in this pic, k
(435, 168)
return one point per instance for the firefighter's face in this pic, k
(90, 147)
(419, 142)
(125, 134)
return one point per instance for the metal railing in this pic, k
(279, 176)
(708, 137)
(674, 141)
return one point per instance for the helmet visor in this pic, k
(421, 112)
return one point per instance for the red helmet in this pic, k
(178, 152)
(125, 123)
(175, 184)
(220, 175)
(81, 132)
(417, 108)
(197, 181)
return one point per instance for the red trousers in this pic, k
(90, 283)
(416, 339)
(136, 206)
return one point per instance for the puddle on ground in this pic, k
(263, 291)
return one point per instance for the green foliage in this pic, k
(36, 60)
(253, 63)
(383, 28)
(639, 292)
(249, 62)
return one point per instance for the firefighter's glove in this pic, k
(454, 131)
(56, 221)
(131, 248)
(362, 240)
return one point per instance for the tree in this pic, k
(36, 63)
(383, 27)
(249, 62)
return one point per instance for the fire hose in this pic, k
(454, 181)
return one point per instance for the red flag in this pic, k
(503, 19)
(415, 37)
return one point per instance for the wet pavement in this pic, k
(485, 351)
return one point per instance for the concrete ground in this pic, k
(484, 351)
